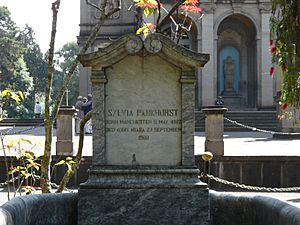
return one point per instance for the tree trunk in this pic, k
(68, 175)
(50, 118)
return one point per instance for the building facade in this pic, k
(234, 32)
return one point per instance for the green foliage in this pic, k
(285, 30)
(67, 162)
(36, 63)
(24, 167)
(63, 60)
(14, 71)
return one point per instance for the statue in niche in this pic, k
(228, 69)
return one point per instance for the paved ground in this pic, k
(236, 144)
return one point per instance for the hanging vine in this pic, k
(285, 48)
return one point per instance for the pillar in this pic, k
(214, 130)
(65, 128)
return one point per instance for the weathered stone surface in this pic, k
(143, 112)
(214, 129)
(170, 206)
(52, 209)
(142, 177)
(143, 141)
(144, 102)
(228, 209)
(65, 129)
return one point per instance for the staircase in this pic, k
(265, 120)
(21, 122)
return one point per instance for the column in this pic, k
(188, 117)
(98, 79)
(208, 75)
(267, 82)
(65, 125)
(214, 130)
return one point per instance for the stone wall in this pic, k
(273, 171)
(227, 209)
(267, 171)
(54, 209)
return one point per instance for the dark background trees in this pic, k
(24, 67)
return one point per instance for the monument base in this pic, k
(174, 206)
(143, 196)
(215, 147)
(64, 147)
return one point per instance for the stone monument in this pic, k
(143, 169)
(214, 129)
(65, 130)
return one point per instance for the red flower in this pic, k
(191, 8)
(272, 50)
(284, 106)
(280, 117)
(191, 2)
(271, 71)
(270, 42)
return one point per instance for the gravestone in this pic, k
(143, 169)
(65, 130)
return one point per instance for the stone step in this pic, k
(265, 120)
(21, 122)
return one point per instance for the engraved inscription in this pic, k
(143, 122)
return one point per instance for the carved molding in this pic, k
(208, 7)
(134, 45)
(154, 44)
(265, 7)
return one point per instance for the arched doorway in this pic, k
(237, 78)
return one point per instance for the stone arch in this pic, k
(223, 16)
(238, 33)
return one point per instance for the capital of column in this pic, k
(188, 77)
(208, 7)
(265, 7)
(214, 110)
(98, 76)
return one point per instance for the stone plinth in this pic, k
(143, 169)
(65, 130)
(155, 206)
(214, 129)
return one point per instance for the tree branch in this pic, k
(173, 9)
(91, 4)
(68, 175)
(45, 167)
(88, 43)
(159, 13)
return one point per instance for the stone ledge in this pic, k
(228, 209)
(54, 209)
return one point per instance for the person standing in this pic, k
(80, 113)
(37, 110)
(87, 107)
(219, 101)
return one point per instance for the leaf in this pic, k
(6, 93)
(21, 95)
(25, 140)
(146, 11)
(16, 98)
(68, 158)
(61, 162)
(140, 30)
